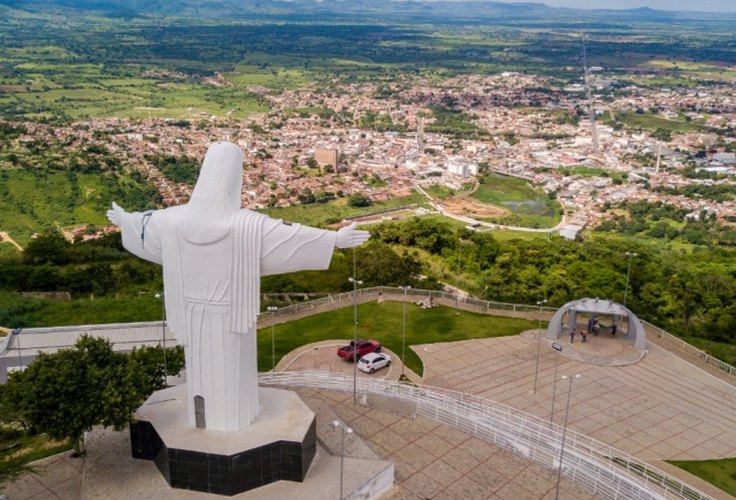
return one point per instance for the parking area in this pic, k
(323, 356)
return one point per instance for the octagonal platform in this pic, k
(280, 444)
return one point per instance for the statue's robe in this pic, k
(212, 293)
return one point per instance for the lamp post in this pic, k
(355, 334)
(272, 310)
(345, 430)
(631, 255)
(539, 341)
(557, 347)
(16, 333)
(460, 269)
(564, 432)
(403, 329)
(163, 337)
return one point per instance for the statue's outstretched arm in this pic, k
(141, 232)
(349, 236)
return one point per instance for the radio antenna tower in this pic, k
(420, 134)
(588, 95)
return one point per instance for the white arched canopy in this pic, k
(596, 306)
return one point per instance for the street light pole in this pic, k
(631, 255)
(564, 432)
(539, 341)
(16, 333)
(557, 347)
(403, 329)
(163, 337)
(355, 333)
(345, 430)
(272, 310)
(459, 268)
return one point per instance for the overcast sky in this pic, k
(699, 5)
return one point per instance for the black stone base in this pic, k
(225, 474)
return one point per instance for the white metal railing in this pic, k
(602, 469)
(371, 292)
(488, 306)
(690, 349)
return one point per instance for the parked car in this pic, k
(363, 347)
(373, 361)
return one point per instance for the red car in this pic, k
(363, 347)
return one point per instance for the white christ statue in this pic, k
(213, 253)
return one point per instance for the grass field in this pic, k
(648, 121)
(383, 322)
(583, 170)
(720, 473)
(530, 207)
(93, 311)
(84, 90)
(694, 70)
(31, 201)
(437, 191)
(321, 214)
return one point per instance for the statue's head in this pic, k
(216, 195)
(220, 181)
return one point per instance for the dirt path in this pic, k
(5, 237)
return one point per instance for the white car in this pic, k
(373, 361)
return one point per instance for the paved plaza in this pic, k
(659, 408)
(656, 407)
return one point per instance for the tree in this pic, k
(49, 246)
(380, 265)
(359, 200)
(306, 197)
(150, 360)
(66, 393)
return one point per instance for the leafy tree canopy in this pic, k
(66, 393)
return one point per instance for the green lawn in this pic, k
(383, 322)
(720, 473)
(18, 448)
(529, 206)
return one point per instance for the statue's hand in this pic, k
(115, 215)
(348, 236)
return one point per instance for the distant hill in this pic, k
(471, 12)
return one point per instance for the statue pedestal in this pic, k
(280, 444)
